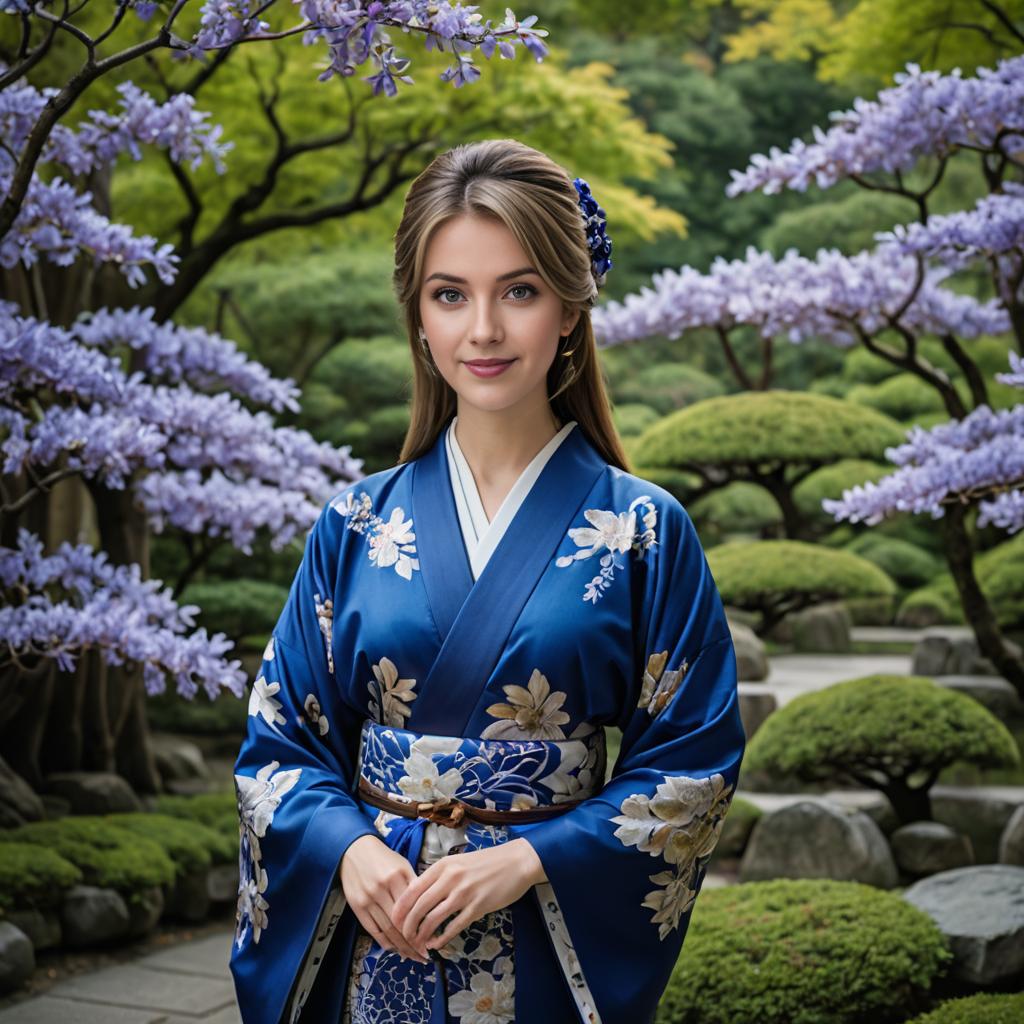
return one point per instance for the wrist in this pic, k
(532, 866)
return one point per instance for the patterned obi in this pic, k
(471, 785)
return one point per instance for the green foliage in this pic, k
(908, 565)
(236, 607)
(633, 418)
(666, 387)
(864, 367)
(903, 397)
(107, 856)
(218, 812)
(803, 951)
(188, 843)
(773, 575)
(740, 819)
(680, 485)
(831, 481)
(171, 712)
(757, 426)
(33, 876)
(928, 606)
(739, 507)
(981, 1008)
(875, 728)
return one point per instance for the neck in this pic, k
(501, 444)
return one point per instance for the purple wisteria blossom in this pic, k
(1015, 378)
(75, 600)
(927, 113)
(964, 460)
(831, 297)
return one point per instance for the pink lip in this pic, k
(488, 367)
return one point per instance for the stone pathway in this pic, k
(792, 674)
(187, 983)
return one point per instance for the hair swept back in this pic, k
(536, 199)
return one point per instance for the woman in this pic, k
(427, 834)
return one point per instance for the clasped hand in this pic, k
(402, 910)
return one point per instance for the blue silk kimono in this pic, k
(407, 661)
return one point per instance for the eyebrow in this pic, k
(501, 277)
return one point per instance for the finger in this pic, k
(394, 939)
(461, 921)
(410, 893)
(434, 920)
(427, 902)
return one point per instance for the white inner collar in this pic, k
(480, 535)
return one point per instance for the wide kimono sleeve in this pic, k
(624, 867)
(294, 781)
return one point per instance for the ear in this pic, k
(569, 320)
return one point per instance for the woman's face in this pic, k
(481, 301)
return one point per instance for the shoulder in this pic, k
(359, 502)
(630, 490)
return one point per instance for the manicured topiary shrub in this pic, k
(831, 481)
(983, 1008)
(737, 508)
(887, 732)
(236, 607)
(908, 565)
(110, 857)
(667, 386)
(189, 844)
(633, 418)
(903, 396)
(928, 606)
(33, 876)
(777, 577)
(803, 951)
(217, 811)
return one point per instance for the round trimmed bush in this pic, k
(217, 811)
(189, 844)
(982, 1008)
(109, 857)
(33, 876)
(633, 418)
(830, 482)
(804, 951)
(908, 565)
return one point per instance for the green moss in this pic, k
(107, 856)
(33, 876)
(803, 952)
(188, 843)
(217, 811)
(983, 1008)
(908, 565)
(831, 481)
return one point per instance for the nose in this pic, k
(485, 325)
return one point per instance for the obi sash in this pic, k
(511, 778)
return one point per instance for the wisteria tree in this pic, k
(892, 298)
(179, 433)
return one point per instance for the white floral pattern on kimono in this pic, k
(614, 532)
(659, 686)
(533, 713)
(258, 799)
(390, 696)
(391, 541)
(681, 824)
(325, 619)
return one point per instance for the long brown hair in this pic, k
(537, 201)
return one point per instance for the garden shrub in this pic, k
(217, 811)
(830, 482)
(738, 507)
(981, 1008)
(803, 951)
(236, 607)
(908, 565)
(110, 857)
(739, 820)
(668, 386)
(928, 606)
(633, 418)
(904, 396)
(33, 876)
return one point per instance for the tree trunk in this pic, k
(910, 804)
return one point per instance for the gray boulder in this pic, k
(189, 897)
(818, 839)
(1011, 842)
(751, 660)
(756, 704)
(995, 692)
(90, 916)
(41, 926)
(952, 651)
(93, 792)
(144, 911)
(980, 910)
(928, 847)
(18, 801)
(981, 812)
(222, 883)
(178, 759)
(17, 958)
(823, 628)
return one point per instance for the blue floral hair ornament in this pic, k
(594, 222)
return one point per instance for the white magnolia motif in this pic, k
(315, 717)
(681, 824)
(391, 542)
(488, 1000)
(575, 776)
(532, 713)
(659, 686)
(325, 619)
(268, 651)
(390, 696)
(422, 780)
(258, 799)
(262, 703)
(615, 533)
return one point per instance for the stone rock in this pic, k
(979, 812)
(41, 926)
(90, 916)
(980, 910)
(222, 882)
(818, 839)
(17, 958)
(995, 692)
(189, 897)
(751, 660)
(177, 758)
(756, 705)
(144, 910)
(952, 651)
(93, 792)
(823, 628)
(19, 803)
(928, 847)
(1011, 842)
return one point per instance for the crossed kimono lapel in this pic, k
(474, 619)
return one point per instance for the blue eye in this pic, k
(531, 291)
